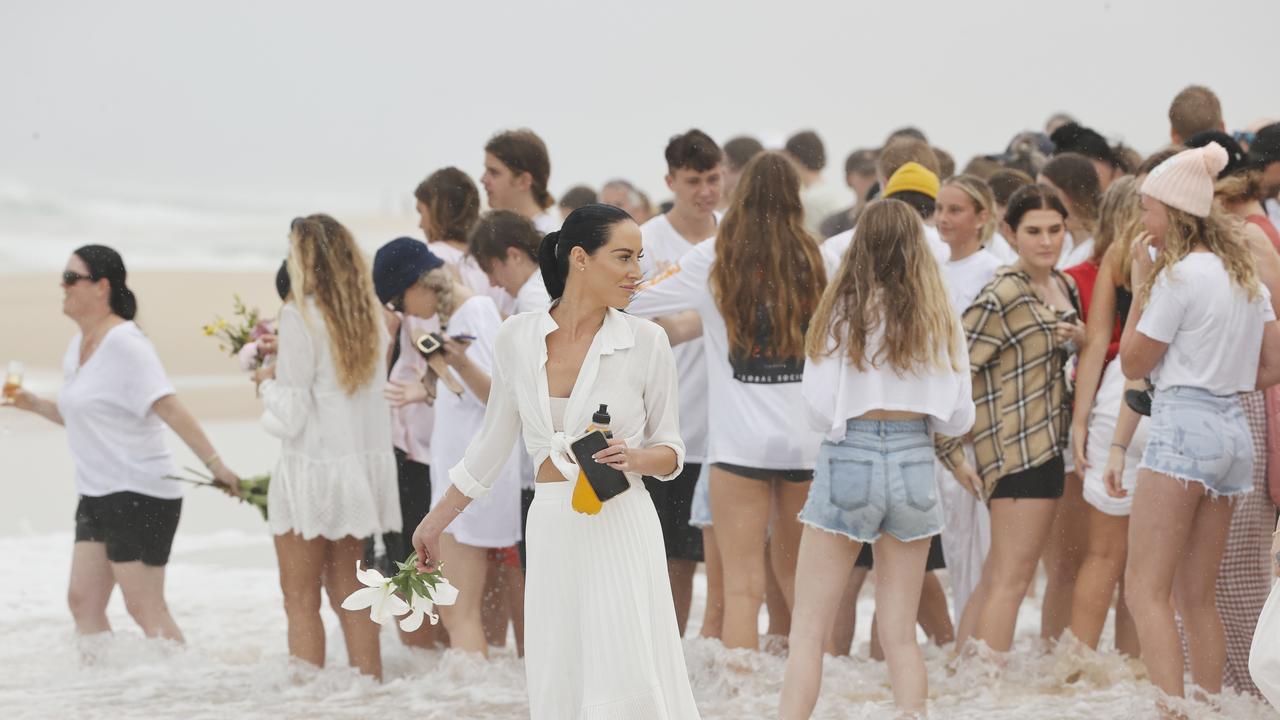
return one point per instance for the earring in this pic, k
(582, 268)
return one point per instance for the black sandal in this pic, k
(1139, 401)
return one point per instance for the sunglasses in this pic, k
(71, 278)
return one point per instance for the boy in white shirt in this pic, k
(516, 170)
(695, 175)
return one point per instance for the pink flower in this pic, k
(248, 357)
(262, 328)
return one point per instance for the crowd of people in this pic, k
(1058, 357)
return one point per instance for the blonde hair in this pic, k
(441, 282)
(1217, 232)
(326, 265)
(983, 200)
(1119, 222)
(1240, 187)
(889, 282)
(768, 274)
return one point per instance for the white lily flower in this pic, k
(419, 608)
(378, 595)
(444, 593)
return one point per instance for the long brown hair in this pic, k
(326, 265)
(452, 202)
(768, 274)
(888, 283)
(1219, 232)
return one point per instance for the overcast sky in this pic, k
(331, 99)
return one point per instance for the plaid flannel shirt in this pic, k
(1019, 380)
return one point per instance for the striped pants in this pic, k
(1245, 578)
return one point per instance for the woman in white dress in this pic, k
(335, 483)
(604, 642)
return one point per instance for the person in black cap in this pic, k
(1076, 138)
(397, 268)
(456, 378)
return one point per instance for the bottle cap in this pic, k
(601, 416)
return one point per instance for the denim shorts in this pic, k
(880, 478)
(1196, 436)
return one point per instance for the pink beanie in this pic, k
(1185, 181)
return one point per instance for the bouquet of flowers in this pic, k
(253, 490)
(408, 591)
(239, 338)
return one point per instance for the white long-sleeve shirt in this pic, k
(628, 367)
(836, 391)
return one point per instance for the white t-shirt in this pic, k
(493, 521)
(756, 410)
(837, 245)
(472, 276)
(117, 441)
(1073, 254)
(663, 248)
(533, 296)
(820, 201)
(547, 222)
(966, 278)
(1001, 248)
(836, 391)
(1214, 331)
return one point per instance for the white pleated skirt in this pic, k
(601, 641)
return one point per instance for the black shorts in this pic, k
(936, 561)
(414, 480)
(1046, 481)
(673, 500)
(795, 476)
(134, 527)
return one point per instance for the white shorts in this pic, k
(1102, 428)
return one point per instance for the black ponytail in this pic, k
(552, 273)
(587, 227)
(105, 263)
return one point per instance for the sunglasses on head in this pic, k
(71, 278)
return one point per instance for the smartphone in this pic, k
(428, 343)
(463, 338)
(606, 481)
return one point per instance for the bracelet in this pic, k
(212, 459)
(1122, 447)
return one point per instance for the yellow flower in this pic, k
(222, 324)
(208, 330)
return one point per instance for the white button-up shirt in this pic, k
(629, 367)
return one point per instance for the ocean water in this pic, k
(222, 590)
(158, 228)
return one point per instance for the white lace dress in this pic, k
(336, 476)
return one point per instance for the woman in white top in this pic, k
(1196, 327)
(755, 285)
(603, 643)
(335, 482)
(115, 405)
(448, 206)
(966, 222)
(887, 366)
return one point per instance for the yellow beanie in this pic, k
(913, 176)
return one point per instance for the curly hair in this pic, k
(441, 281)
(889, 283)
(326, 265)
(1220, 233)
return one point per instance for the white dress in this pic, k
(336, 476)
(602, 643)
(492, 521)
